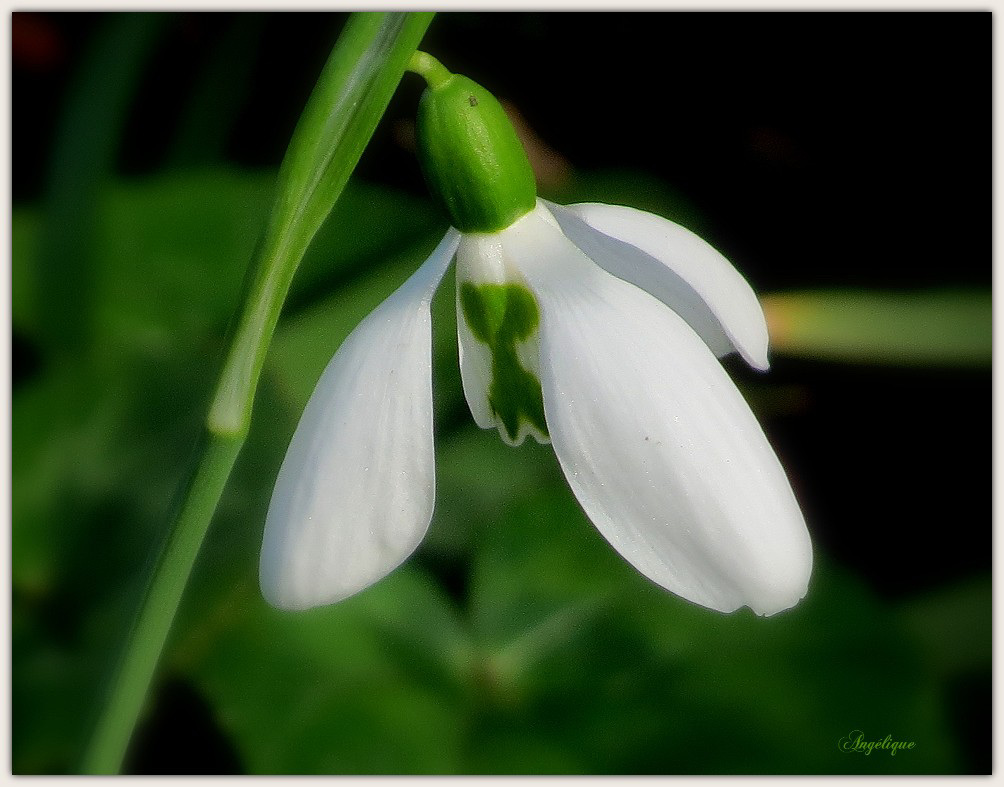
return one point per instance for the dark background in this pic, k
(820, 150)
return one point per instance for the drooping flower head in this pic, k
(596, 328)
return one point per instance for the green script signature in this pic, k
(855, 742)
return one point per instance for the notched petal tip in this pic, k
(784, 585)
(526, 429)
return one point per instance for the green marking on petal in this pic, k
(500, 315)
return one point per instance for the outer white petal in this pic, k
(355, 493)
(657, 444)
(677, 267)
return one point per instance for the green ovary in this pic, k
(500, 315)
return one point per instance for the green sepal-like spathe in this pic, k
(472, 159)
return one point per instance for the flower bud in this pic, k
(471, 157)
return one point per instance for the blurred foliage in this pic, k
(516, 641)
(950, 328)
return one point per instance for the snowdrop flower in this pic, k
(592, 327)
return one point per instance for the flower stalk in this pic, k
(357, 82)
(431, 70)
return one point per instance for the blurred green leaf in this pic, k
(941, 328)
(477, 475)
(366, 686)
(955, 625)
(593, 662)
(24, 229)
(172, 252)
(224, 83)
(87, 139)
(368, 227)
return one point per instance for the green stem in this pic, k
(430, 69)
(170, 575)
(351, 96)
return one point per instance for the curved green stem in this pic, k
(343, 111)
(351, 96)
(430, 69)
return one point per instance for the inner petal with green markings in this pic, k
(504, 318)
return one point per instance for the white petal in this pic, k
(475, 371)
(479, 259)
(355, 493)
(657, 444)
(677, 267)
